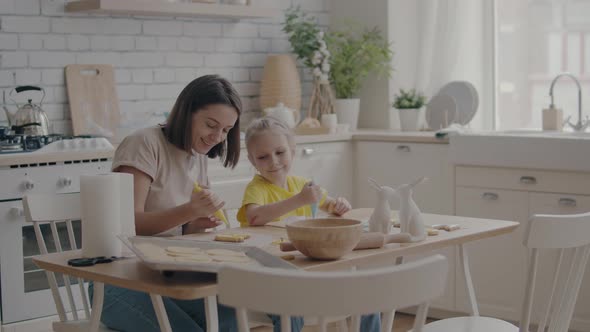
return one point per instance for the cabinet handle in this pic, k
(490, 196)
(403, 148)
(528, 180)
(308, 151)
(569, 202)
(28, 185)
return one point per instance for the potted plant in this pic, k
(309, 45)
(409, 105)
(354, 55)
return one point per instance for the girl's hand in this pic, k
(205, 203)
(311, 193)
(200, 224)
(339, 206)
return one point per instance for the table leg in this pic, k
(161, 313)
(97, 302)
(464, 261)
(211, 313)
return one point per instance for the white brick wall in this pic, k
(154, 57)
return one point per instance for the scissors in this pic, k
(77, 262)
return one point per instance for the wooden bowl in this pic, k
(324, 238)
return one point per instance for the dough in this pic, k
(232, 259)
(225, 252)
(183, 250)
(193, 259)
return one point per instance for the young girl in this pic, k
(273, 194)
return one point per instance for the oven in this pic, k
(24, 288)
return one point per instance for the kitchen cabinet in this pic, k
(391, 164)
(328, 164)
(394, 163)
(167, 8)
(498, 266)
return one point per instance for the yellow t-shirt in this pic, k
(261, 192)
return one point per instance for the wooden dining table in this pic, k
(132, 274)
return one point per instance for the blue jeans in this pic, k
(131, 311)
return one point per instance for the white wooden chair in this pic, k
(54, 209)
(323, 294)
(569, 234)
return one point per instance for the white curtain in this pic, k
(455, 43)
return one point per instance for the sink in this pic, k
(521, 148)
(541, 133)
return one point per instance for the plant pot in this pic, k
(347, 111)
(409, 118)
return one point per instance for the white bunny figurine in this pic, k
(410, 217)
(380, 220)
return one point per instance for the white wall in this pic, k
(154, 57)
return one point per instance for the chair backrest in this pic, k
(570, 235)
(324, 294)
(54, 209)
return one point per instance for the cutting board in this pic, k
(94, 104)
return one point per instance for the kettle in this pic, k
(29, 119)
(280, 112)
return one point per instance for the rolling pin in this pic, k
(371, 240)
(218, 214)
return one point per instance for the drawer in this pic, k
(61, 179)
(558, 203)
(306, 151)
(523, 179)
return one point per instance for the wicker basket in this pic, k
(280, 83)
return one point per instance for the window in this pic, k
(535, 41)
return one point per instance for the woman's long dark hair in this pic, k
(203, 91)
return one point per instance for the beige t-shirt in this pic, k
(173, 171)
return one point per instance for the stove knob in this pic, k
(28, 184)
(17, 212)
(64, 181)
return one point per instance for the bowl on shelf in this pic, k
(324, 238)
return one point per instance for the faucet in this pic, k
(580, 125)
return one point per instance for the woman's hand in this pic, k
(339, 206)
(311, 193)
(205, 203)
(200, 224)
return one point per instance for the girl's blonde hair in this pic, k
(268, 123)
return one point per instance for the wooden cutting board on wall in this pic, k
(94, 104)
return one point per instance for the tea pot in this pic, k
(280, 112)
(29, 119)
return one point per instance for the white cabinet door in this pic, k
(391, 164)
(497, 264)
(543, 203)
(329, 164)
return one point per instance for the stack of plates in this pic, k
(455, 102)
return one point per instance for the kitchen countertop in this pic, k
(360, 135)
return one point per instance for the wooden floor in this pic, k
(402, 323)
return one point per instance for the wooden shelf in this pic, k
(164, 8)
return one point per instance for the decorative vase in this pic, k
(347, 111)
(280, 83)
(409, 118)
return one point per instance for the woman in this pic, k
(165, 161)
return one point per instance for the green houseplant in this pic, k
(408, 104)
(355, 53)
